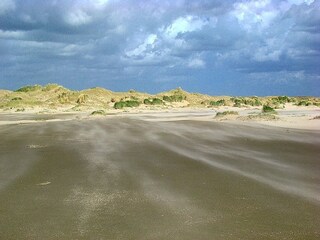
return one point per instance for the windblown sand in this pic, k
(140, 176)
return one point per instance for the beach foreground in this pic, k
(143, 176)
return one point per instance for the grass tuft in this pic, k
(226, 113)
(174, 98)
(220, 102)
(16, 99)
(268, 109)
(98, 112)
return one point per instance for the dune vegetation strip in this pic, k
(259, 117)
(98, 101)
(226, 113)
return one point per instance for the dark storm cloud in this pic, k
(81, 43)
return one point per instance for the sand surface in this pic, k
(150, 175)
(290, 117)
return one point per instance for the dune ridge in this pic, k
(56, 98)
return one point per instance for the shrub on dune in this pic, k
(154, 101)
(220, 102)
(268, 109)
(174, 98)
(129, 103)
(304, 103)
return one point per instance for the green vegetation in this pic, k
(307, 101)
(237, 105)
(282, 99)
(252, 101)
(225, 113)
(220, 102)
(16, 99)
(259, 117)
(237, 102)
(147, 101)
(128, 103)
(51, 86)
(174, 98)
(129, 98)
(29, 88)
(316, 104)
(98, 112)
(154, 101)
(268, 109)
(304, 103)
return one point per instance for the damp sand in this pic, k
(129, 178)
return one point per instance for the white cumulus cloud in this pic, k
(196, 63)
(185, 24)
(253, 14)
(77, 18)
(149, 43)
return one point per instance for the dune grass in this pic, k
(268, 109)
(126, 104)
(220, 102)
(226, 113)
(174, 98)
(98, 112)
(153, 101)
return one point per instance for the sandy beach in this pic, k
(289, 117)
(181, 174)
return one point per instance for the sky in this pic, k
(217, 47)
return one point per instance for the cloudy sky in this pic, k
(245, 47)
